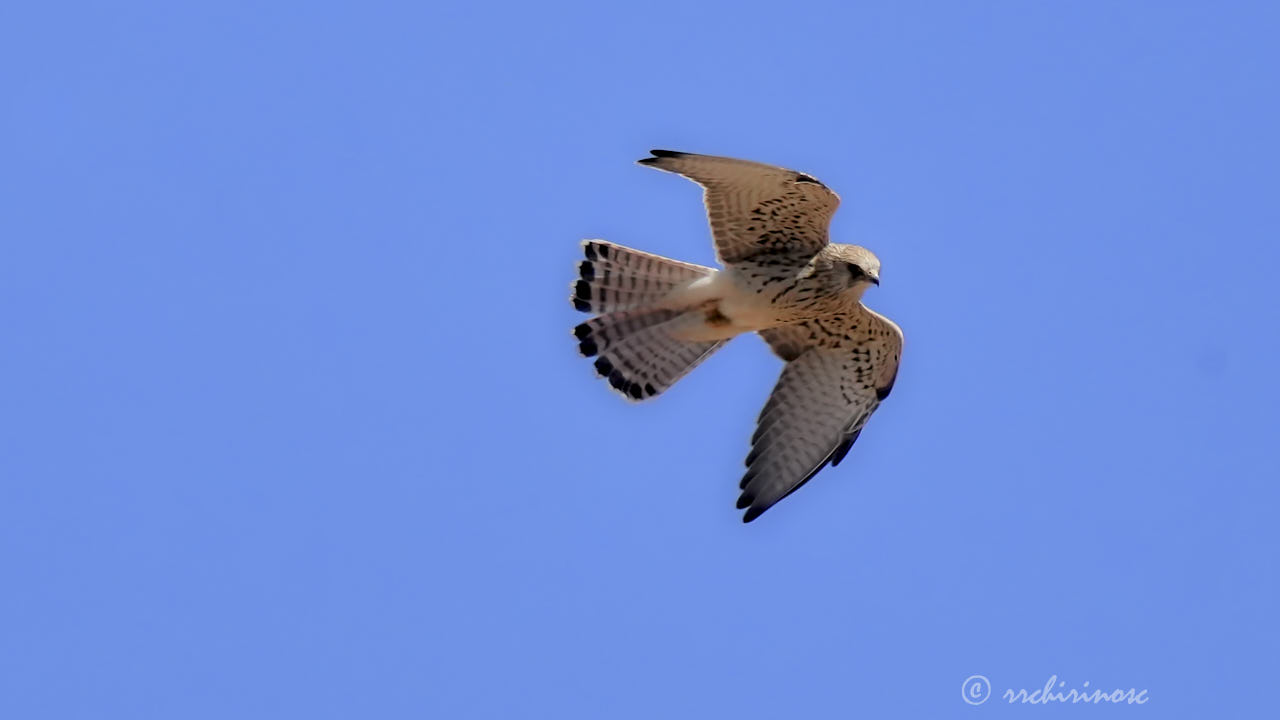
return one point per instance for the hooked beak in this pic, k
(874, 280)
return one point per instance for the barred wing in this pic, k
(831, 385)
(755, 208)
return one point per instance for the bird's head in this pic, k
(852, 268)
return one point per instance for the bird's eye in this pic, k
(856, 272)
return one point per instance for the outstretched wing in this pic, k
(755, 208)
(835, 378)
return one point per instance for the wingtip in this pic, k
(752, 514)
(806, 178)
(659, 155)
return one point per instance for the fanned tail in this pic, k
(634, 344)
(613, 277)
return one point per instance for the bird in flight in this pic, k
(655, 318)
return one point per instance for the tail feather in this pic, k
(635, 345)
(613, 277)
(637, 352)
(641, 263)
(604, 332)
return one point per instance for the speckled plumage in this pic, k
(657, 318)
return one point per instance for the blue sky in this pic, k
(294, 426)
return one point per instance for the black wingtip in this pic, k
(660, 154)
(744, 500)
(803, 178)
(752, 514)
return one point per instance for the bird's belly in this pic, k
(748, 313)
(725, 305)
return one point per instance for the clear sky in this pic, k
(293, 425)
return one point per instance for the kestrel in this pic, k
(657, 318)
